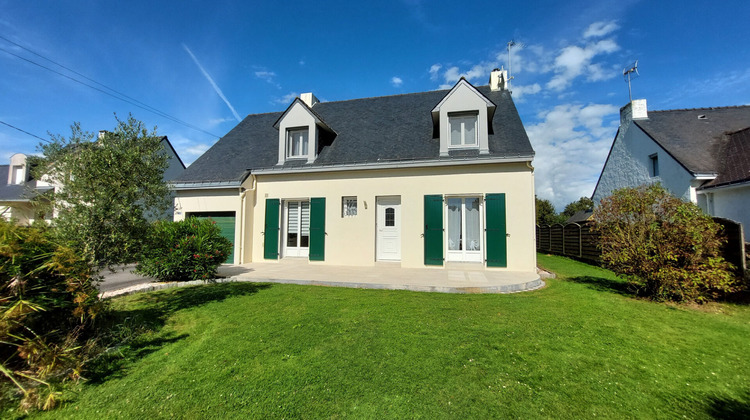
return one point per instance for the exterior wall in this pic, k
(20, 212)
(629, 165)
(351, 241)
(730, 203)
(18, 159)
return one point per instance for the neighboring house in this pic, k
(21, 194)
(417, 179)
(700, 155)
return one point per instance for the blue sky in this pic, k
(208, 63)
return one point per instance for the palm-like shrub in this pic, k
(191, 249)
(47, 302)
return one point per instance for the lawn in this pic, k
(580, 348)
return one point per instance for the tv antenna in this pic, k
(627, 73)
(511, 44)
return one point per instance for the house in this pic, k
(700, 155)
(419, 179)
(21, 194)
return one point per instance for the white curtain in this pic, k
(454, 224)
(472, 224)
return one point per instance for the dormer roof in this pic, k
(318, 119)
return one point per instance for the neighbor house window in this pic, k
(463, 129)
(654, 164)
(297, 142)
(18, 175)
(348, 206)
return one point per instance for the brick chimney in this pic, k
(634, 110)
(498, 79)
(309, 99)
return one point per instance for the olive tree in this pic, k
(105, 188)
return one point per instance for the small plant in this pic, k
(191, 249)
(48, 300)
(667, 248)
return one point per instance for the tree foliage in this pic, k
(545, 212)
(106, 188)
(48, 300)
(667, 248)
(191, 249)
(583, 203)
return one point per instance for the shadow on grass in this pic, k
(604, 285)
(729, 408)
(132, 333)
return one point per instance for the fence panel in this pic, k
(734, 249)
(556, 240)
(572, 239)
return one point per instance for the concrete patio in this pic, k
(454, 278)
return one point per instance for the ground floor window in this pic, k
(464, 227)
(297, 229)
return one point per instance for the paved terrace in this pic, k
(455, 278)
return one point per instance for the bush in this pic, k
(47, 303)
(190, 249)
(667, 248)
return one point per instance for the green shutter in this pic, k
(271, 232)
(497, 242)
(433, 230)
(317, 229)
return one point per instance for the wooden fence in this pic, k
(578, 241)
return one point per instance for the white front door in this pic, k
(464, 229)
(296, 228)
(388, 241)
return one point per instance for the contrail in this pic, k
(210, 80)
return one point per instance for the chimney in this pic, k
(101, 135)
(309, 99)
(498, 79)
(634, 110)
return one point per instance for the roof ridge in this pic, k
(731, 133)
(385, 96)
(710, 108)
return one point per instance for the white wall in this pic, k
(629, 165)
(731, 203)
(351, 241)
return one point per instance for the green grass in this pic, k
(580, 348)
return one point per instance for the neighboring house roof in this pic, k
(580, 216)
(735, 160)
(164, 139)
(695, 137)
(369, 130)
(18, 192)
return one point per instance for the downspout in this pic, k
(243, 193)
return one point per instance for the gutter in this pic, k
(472, 160)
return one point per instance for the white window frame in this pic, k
(465, 255)
(348, 206)
(290, 139)
(461, 117)
(18, 174)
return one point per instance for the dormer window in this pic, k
(18, 174)
(463, 128)
(298, 141)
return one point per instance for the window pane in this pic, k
(390, 216)
(305, 218)
(455, 124)
(303, 142)
(470, 136)
(454, 224)
(472, 224)
(292, 223)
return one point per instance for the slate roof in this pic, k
(695, 137)
(735, 160)
(17, 192)
(369, 130)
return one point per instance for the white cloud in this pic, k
(519, 91)
(574, 61)
(571, 144)
(434, 69)
(265, 75)
(286, 99)
(213, 122)
(396, 81)
(600, 29)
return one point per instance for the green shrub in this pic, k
(191, 249)
(47, 303)
(667, 248)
